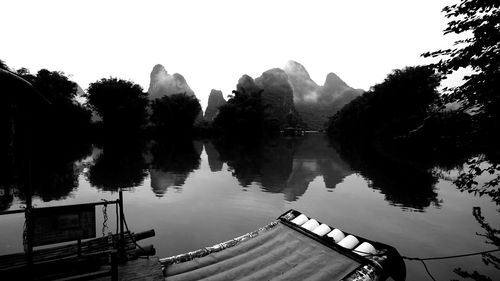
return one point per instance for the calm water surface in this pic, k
(201, 193)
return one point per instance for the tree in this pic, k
(478, 22)
(3, 65)
(478, 52)
(121, 104)
(245, 114)
(64, 115)
(390, 108)
(175, 113)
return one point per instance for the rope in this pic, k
(427, 270)
(126, 226)
(116, 213)
(105, 216)
(422, 260)
(450, 257)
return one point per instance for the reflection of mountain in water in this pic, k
(315, 156)
(283, 165)
(172, 162)
(214, 161)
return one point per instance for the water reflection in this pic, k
(214, 161)
(283, 165)
(51, 169)
(120, 164)
(280, 165)
(172, 162)
(403, 183)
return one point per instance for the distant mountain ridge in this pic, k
(277, 93)
(316, 103)
(215, 100)
(288, 93)
(162, 83)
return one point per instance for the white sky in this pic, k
(212, 43)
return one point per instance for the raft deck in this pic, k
(283, 250)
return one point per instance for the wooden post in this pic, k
(79, 245)
(114, 266)
(29, 238)
(29, 220)
(122, 238)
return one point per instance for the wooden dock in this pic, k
(88, 259)
(147, 269)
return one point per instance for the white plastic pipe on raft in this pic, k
(310, 224)
(349, 242)
(365, 249)
(322, 229)
(337, 235)
(300, 220)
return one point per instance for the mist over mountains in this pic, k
(286, 92)
(316, 103)
(162, 83)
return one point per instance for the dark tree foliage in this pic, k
(245, 115)
(63, 114)
(478, 22)
(390, 108)
(175, 114)
(3, 65)
(121, 104)
(46, 129)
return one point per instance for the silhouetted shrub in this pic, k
(244, 114)
(175, 114)
(390, 108)
(121, 104)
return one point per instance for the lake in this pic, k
(199, 193)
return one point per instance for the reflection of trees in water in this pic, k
(492, 236)
(54, 172)
(119, 165)
(470, 180)
(244, 158)
(54, 168)
(172, 162)
(403, 183)
(6, 197)
(284, 165)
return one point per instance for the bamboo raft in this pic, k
(287, 249)
(88, 256)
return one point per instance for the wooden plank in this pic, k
(140, 269)
(63, 223)
(88, 276)
(96, 244)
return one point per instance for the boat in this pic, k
(292, 132)
(293, 247)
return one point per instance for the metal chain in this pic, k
(105, 221)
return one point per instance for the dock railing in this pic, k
(58, 224)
